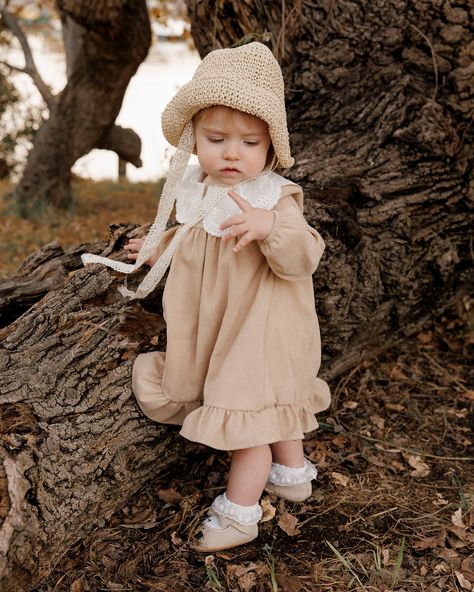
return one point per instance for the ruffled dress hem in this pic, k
(220, 428)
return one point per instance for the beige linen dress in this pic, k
(243, 344)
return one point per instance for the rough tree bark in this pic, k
(105, 42)
(380, 97)
(73, 445)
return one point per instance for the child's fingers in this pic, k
(243, 205)
(134, 245)
(235, 231)
(232, 221)
(243, 242)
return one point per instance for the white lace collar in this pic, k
(262, 192)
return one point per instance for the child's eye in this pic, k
(251, 142)
(215, 140)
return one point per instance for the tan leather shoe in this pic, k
(293, 493)
(229, 534)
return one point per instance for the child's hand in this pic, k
(133, 246)
(251, 224)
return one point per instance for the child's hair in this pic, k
(272, 160)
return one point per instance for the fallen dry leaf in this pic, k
(339, 441)
(351, 405)
(462, 534)
(463, 582)
(377, 421)
(289, 583)
(421, 468)
(440, 502)
(375, 460)
(268, 510)
(441, 568)
(431, 542)
(394, 407)
(398, 466)
(176, 540)
(467, 565)
(170, 496)
(447, 554)
(397, 373)
(247, 581)
(77, 585)
(288, 523)
(145, 518)
(456, 519)
(114, 586)
(245, 575)
(425, 337)
(456, 543)
(340, 479)
(318, 454)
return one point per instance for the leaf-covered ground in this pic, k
(392, 509)
(96, 205)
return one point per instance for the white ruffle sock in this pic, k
(228, 525)
(244, 515)
(291, 483)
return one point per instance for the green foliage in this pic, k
(18, 123)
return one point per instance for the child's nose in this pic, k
(231, 151)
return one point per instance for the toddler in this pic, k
(243, 346)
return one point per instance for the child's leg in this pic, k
(249, 470)
(289, 453)
(290, 475)
(234, 515)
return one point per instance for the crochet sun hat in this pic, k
(247, 78)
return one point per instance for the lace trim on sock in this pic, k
(244, 515)
(283, 475)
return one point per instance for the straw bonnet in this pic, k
(247, 78)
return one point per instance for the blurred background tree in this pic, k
(104, 43)
(17, 123)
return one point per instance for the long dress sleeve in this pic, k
(293, 249)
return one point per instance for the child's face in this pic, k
(231, 146)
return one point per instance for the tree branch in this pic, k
(125, 142)
(30, 66)
(12, 67)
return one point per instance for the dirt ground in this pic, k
(392, 509)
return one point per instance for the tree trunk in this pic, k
(105, 47)
(380, 100)
(74, 445)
